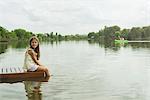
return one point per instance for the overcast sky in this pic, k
(73, 16)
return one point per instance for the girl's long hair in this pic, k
(37, 49)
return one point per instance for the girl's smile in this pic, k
(34, 43)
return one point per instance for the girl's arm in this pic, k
(33, 56)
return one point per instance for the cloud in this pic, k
(73, 16)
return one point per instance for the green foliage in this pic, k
(135, 33)
(22, 34)
(4, 34)
(114, 32)
(124, 33)
(107, 34)
(75, 37)
(13, 36)
(146, 33)
(117, 34)
(91, 35)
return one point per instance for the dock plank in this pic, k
(10, 70)
(2, 70)
(137, 41)
(17, 74)
(15, 70)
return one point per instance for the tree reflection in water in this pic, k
(33, 91)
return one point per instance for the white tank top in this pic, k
(28, 61)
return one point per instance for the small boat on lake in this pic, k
(121, 41)
(13, 75)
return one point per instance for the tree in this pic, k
(109, 32)
(135, 34)
(146, 33)
(91, 35)
(3, 33)
(124, 33)
(20, 33)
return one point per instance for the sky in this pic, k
(73, 16)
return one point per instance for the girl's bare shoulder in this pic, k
(30, 51)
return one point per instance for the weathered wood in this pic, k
(11, 70)
(2, 70)
(8, 70)
(5, 70)
(19, 69)
(11, 75)
(15, 70)
(24, 74)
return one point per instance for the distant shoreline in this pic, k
(4, 40)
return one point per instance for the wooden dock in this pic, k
(13, 75)
(138, 41)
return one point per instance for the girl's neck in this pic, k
(32, 48)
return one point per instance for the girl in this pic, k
(32, 55)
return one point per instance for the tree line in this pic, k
(115, 32)
(108, 33)
(22, 34)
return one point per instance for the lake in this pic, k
(82, 71)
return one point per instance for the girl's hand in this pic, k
(34, 57)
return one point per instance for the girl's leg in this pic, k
(43, 68)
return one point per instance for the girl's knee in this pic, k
(46, 69)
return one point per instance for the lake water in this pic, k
(82, 71)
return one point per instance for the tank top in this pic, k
(28, 61)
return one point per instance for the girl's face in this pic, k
(34, 43)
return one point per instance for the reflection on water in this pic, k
(140, 45)
(85, 71)
(3, 47)
(33, 90)
(111, 44)
(106, 44)
(19, 44)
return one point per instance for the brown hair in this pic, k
(37, 49)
